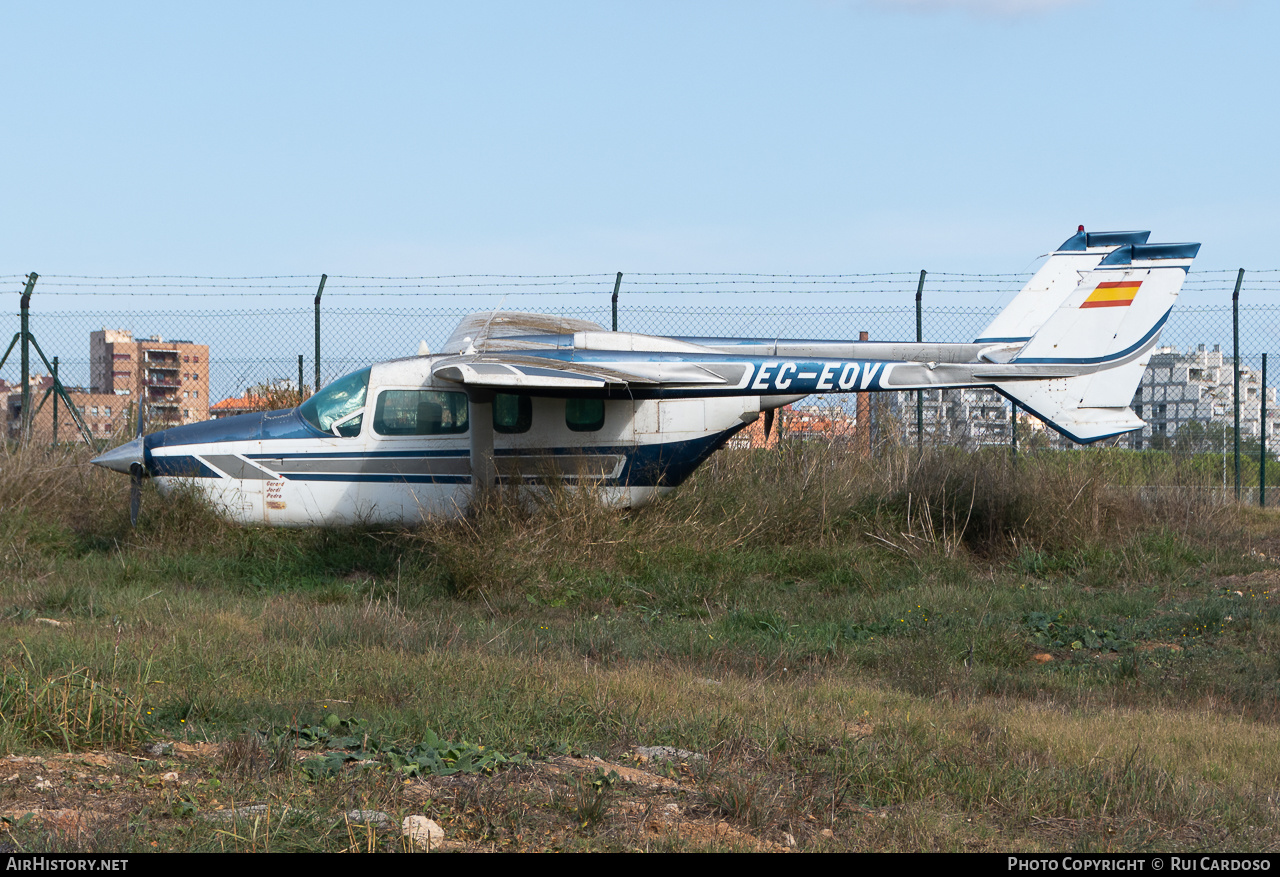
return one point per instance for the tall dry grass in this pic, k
(806, 495)
(986, 503)
(56, 484)
(53, 500)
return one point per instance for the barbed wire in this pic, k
(691, 284)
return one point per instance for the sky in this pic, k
(812, 136)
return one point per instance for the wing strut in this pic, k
(483, 470)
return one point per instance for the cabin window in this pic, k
(338, 407)
(584, 415)
(420, 412)
(512, 414)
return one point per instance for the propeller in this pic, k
(135, 492)
(136, 470)
(768, 423)
(131, 458)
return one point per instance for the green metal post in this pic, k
(920, 338)
(299, 378)
(1013, 428)
(17, 336)
(55, 402)
(25, 331)
(1235, 329)
(57, 388)
(319, 292)
(617, 284)
(1262, 440)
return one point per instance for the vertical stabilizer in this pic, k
(1108, 324)
(1057, 278)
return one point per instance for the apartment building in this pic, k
(170, 378)
(1197, 387)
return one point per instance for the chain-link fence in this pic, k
(223, 354)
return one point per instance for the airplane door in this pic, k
(419, 460)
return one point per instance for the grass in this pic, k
(951, 653)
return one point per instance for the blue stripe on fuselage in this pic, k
(179, 466)
(647, 465)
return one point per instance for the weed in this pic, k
(592, 794)
(246, 757)
(71, 710)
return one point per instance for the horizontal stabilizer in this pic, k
(1057, 404)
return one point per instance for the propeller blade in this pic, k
(135, 492)
(136, 471)
(768, 423)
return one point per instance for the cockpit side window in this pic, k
(338, 408)
(511, 413)
(420, 412)
(584, 415)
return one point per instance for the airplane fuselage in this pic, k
(403, 452)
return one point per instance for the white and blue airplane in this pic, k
(518, 396)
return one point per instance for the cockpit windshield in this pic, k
(338, 408)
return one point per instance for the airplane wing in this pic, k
(1072, 351)
(533, 374)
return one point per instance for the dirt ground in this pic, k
(97, 800)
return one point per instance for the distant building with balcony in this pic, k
(169, 378)
(1191, 396)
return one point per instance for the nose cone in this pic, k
(121, 458)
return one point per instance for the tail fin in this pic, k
(1108, 324)
(1057, 278)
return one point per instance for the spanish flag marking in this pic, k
(1113, 295)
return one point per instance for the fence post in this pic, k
(85, 432)
(617, 284)
(319, 292)
(25, 329)
(1235, 330)
(920, 393)
(863, 408)
(299, 378)
(55, 402)
(1013, 428)
(1262, 440)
